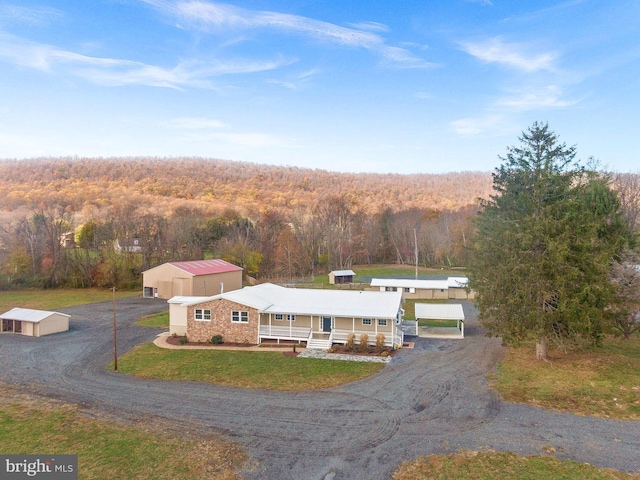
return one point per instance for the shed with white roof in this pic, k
(34, 323)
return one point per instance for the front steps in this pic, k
(318, 344)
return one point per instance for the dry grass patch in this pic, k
(53, 299)
(107, 449)
(603, 382)
(501, 466)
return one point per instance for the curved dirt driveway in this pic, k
(430, 399)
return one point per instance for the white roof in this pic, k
(343, 273)
(451, 282)
(29, 315)
(270, 298)
(457, 282)
(448, 311)
(408, 283)
(184, 299)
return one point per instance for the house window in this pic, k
(407, 289)
(239, 317)
(202, 315)
(279, 316)
(382, 322)
(392, 289)
(366, 321)
(291, 318)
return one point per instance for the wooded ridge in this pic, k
(215, 185)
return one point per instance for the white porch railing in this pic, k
(284, 333)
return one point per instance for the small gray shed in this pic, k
(33, 323)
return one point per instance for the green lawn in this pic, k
(160, 320)
(269, 370)
(603, 382)
(53, 299)
(107, 449)
(437, 323)
(502, 466)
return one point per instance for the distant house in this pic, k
(128, 245)
(341, 276)
(200, 278)
(268, 311)
(449, 288)
(34, 323)
(67, 240)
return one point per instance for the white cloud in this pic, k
(117, 72)
(535, 99)
(29, 16)
(370, 26)
(193, 123)
(212, 17)
(477, 126)
(514, 55)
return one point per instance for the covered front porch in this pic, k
(322, 331)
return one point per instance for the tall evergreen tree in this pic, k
(544, 245)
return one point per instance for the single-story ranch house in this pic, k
(268, 311)
(449, 288)
(200, 277)
(34, 323)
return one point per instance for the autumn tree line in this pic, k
(61, 220)
(273, 221)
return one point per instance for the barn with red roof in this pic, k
(194, 278)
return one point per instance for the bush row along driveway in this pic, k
(433, 398)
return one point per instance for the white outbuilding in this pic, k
(34, 323)
(448, 311)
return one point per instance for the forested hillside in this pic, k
(72, 221)
(215, 185)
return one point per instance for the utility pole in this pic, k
(415, 242)
(115, 350)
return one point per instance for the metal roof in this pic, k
(457, 282)
(450, 282)
(408, 283)
(449, 311)
(343, 273)
(205, 267)
(186, 299)
(270, 298)
(29, 315)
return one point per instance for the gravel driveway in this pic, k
(430, 399)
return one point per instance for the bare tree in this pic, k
(625, 275)
(628, 188)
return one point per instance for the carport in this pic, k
(445, 313)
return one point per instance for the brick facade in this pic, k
(220, 324)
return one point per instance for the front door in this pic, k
(326, 324)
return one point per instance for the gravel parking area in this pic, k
(433, 398)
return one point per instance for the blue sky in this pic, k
(354, 86)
